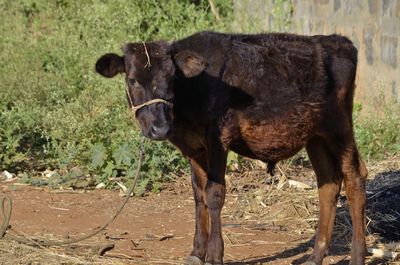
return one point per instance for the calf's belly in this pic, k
(269, 142)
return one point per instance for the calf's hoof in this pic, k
(193, 260)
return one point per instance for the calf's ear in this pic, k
(190, 63)
(110, 64)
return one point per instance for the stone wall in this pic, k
(372, 25)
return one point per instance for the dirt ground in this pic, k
(262, 224)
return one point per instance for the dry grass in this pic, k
(270, 200)
(270, 203)
(12, 253)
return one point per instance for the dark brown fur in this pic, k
(263, 96)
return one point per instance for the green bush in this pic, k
(378, 134)
(56, 112)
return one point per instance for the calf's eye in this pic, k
(131, 82)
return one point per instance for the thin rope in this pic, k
(152, 101)
(5, 199)
(148, 64)
(6, 215)
(129, 96)
(156, 100)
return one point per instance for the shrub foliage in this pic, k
(55, 111)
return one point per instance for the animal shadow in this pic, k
(383, 194)
(292, 252)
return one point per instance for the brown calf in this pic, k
(263, 96)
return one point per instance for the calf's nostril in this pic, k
(154, 130)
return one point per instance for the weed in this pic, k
(378, 134)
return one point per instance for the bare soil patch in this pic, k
(266, 221)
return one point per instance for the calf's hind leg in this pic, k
(329, 179)
(355, 174)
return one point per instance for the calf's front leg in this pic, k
(215, 197)
(199, 181)
(208, 182)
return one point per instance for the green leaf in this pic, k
(109, 170)
(99, 155)
(123, 155)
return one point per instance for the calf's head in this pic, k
(150, 71)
